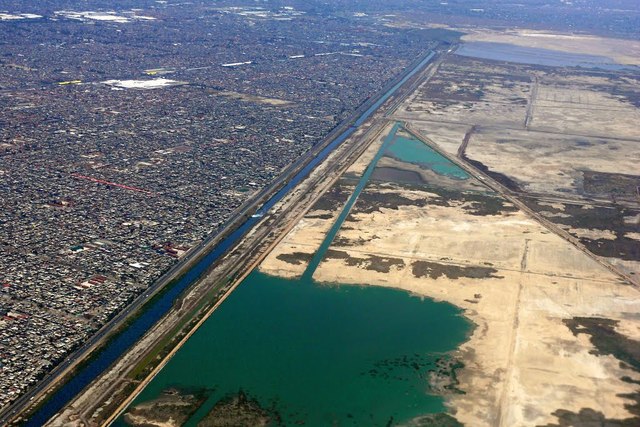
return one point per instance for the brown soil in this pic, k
(173, 407)
(386, 174)
(607, 341)
(607, 218)
(336, 196)
(611, 185)
(295, 258)
(502, 179)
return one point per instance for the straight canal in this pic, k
(125, 339)
(313, 354)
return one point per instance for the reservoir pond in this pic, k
(318, 354)
(536, 56)
(411, 150)
(321, 354)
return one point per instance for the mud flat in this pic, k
(172, 408)
(532, 359)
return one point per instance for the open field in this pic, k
(517, 283)
(564, 140)
(536, 355)
(467, 91)
(554, 164)
(605, 106)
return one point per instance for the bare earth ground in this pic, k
(557, 336)
(565, 140)
(522, 363)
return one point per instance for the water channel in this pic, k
(318, 354)
(119, 345)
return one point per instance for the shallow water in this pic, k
(411, 150)
(537, 56)
(322, 354)
(319, 354)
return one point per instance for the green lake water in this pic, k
(317, 354)
(348, 355)
(412, 150)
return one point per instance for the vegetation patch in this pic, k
(317, 215)
(472, 202)
(173, 408)
(399, 367)
(435, 420)
(607, 342)
(372, 201)
(497, 176)
(346, 242)
(614, 185)
(435, 270)
(443, 379)
(371, 262)
(609, 218)
(588, 417)
(295, 258)
(606, 339)
(484, 205)
(239, 410)
(334, 198)
(389, 174)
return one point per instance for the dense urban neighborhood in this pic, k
(130, 134)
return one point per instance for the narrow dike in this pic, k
(150, 315)
(319, 255)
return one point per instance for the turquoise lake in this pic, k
(411, 150)
(319, 354)
(322, 355)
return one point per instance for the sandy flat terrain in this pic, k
(555, 328)
(561, 106)
(469, 91)
(516, 281)
(559, 135)
(522, 362)
(551, 163)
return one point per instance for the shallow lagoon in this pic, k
(318, 354)
(411, 150)
(537, 56)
